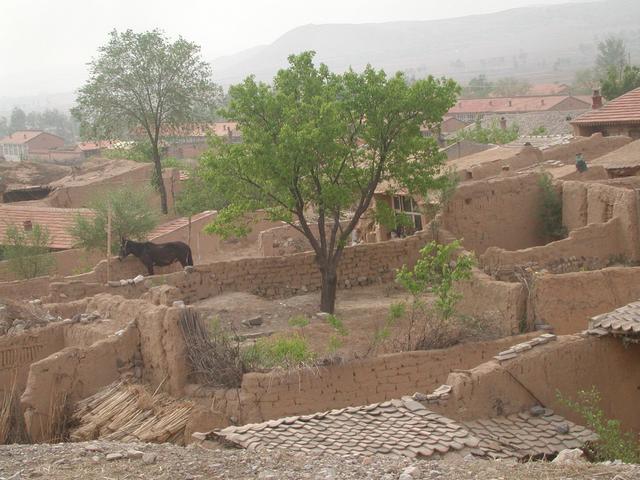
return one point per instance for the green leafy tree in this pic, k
(585, 82)
(550, 209)
(315, 146)
(494, 133)
(511, 87)
(435, 273)
(28, 251)
(18, 119)
(612, 55)
(131, 218)
(618, 83)
(478, 87)
(144, 81)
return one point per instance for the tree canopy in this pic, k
(143, 81)
(612, 55)
(618, 83)
(130, 218)
(317, 144)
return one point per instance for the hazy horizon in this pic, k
(45, 51)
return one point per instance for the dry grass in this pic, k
(55, 426)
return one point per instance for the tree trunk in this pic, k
(329, 288)
(158, 172)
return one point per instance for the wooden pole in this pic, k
(109, 243)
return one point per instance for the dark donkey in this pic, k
(157, 254)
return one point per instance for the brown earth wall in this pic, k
(591, 148)
(594, 246)
(568, 365)
(524, 158)
(496, 213)
(567, 301)
(265, 396)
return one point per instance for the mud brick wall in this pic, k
(591, 148)
(18, 352)
(265, 396)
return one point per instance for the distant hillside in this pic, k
(540, 43)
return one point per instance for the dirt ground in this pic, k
(362, 310)
(111, 461)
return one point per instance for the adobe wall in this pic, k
(66, 262)
(496, 213)
(568, 300)
(79, 196)
(524, 158)
(18, 352)
(587, 203)
(591, 148)
(594, 246)
(567, 365)
(265, 396)
(75, 373)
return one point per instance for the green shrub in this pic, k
(339, 332)
(492, 134)
(131, 218)
(540, 130)
(285, 352)
(28, 251)
(613, 443)
(550, 209)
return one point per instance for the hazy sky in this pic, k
(45, 44)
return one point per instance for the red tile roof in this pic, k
(513, 104)
(22, 136)
(177, 224)
(57, 220)
(624, 109)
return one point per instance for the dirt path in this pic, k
(111, 461)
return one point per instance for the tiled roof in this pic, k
(57, 220)
(407, 428)
(622, 321)
(624, 109)
(512, 104)
(177, 223)
(22, 136)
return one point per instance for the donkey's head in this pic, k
(124, 248)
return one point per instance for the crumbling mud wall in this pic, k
(526, 157)
(591, 148)
(496, 213)
(594, 246)
(536, 376)
(265, 396)
(567, 301)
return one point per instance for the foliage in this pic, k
(510, 87)
(140, 151)
(492, 134)
(433, 325)
(339, 332)
(550, 209)
(28, 251)
(612, 55)
(287, 352)
(131, 218)
(382, 333)
(478, 87)
(144, 81)
(540, 130)
(585, 82)
(316, 145)
(619, 82)
(18, 119)
(613, 443)
(389, 218)
(196, 196)
(298, 321)
(53, 121)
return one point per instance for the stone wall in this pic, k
(496, 213)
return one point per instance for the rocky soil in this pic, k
(103, 460)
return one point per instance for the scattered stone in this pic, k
(179, 304)
(114, 456)
(570, 457)
(562, 428)
(135, 454)
(188, 269)
(537, 411)
(93, 448)
(267, 475)
(253, 321)
(138, 279)
(413, 471)
(149, 458)
(419, 397)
